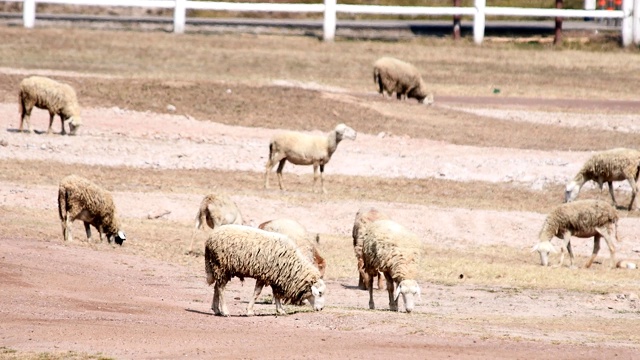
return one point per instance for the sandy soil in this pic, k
(58, 296)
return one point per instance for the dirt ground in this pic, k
(103, 301)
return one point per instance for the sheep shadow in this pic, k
(210, 313)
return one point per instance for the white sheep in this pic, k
(243, 251)
(305, 149)
(611, 165)
(297, 236)
(79, 198)
(215, 210)
(390, 248)
(365, 216)
(583, 219)
(393, 75)
(56, 97)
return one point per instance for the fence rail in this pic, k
(629, 14)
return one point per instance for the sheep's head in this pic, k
(316, 296)
(74, 124)
(345, 132)
(118, 237)
(409, 289)
(544, 248)
(571, 191)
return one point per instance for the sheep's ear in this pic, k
(419, 292)
(122, 235)
(315, 291)
(535, 247)
(396, 293)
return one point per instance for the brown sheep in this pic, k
(56, 97)
(583, 219)
(365, 216)
(393, 75)
(611, 165)
(79, 198)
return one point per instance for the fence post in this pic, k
(479, 21)
(329, 26)
(627, 22)
(557, 39)
(456, 22)
(29, 13)
(179, 16)
(636, 22)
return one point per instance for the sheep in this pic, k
(215, 210)
(244, 251)
(305, 241)
(79, 198)
(56, 97)
(364, 216)
(390, 248)
(583, 219)
(626, 264)
(304, 149)
(297, 236)
(393, 75)
(611, 165)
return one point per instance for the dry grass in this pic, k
(191, 71)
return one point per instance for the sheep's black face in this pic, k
(120, 237)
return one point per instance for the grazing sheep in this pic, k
(297, 236)
(302, 239)
(390, 248)
(611, 165)
(79, 198)
(215, 210)
(243, 251)
(583, 219)
(393, 75)
(56, 97)
(304, 149)
(365, 216)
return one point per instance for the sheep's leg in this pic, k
(613, 197)
(634, 191)
(370, 285)
(315, 176)
(26, 117)
(393, 303)
(596, 248)
(219, 306)
(279, 308)
(87, 229)
(279, 172)
(363, 278)
(380, 282)
(566, 237)
(607, 237)
(324, 191)
(51, 116)
(66, 229)
(256, 292)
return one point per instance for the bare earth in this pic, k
(109, 300)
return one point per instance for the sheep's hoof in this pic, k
(250, 313)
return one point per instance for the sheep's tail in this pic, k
(377, 79)
(20, 103)
(62, 202)
(270, 150)
(207, 264)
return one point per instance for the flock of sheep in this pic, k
(280, 253)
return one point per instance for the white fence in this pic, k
(629, 14)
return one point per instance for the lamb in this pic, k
(364, 216)
(56, 97)
(304, 149)
(611, 165)
(393, 75)
(390, 248)
(243, 251)
(215, 210)
(584, 219)
(79, 198)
